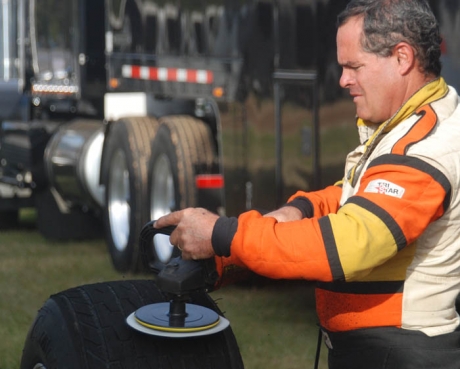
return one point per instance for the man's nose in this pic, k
(345, 79)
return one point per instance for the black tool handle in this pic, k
(149, 231)
(150, 258)
(177, 276)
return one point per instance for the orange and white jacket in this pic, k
(384, 243)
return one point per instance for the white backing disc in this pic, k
(131, 320)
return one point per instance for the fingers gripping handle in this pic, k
(175, 276)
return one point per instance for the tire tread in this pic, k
(192, 139)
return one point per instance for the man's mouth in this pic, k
(355, 97)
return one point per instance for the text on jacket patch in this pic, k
(385, 188)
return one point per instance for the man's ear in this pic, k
(405, 56)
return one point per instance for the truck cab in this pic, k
(51, 73)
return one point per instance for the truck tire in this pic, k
(182, 145)
(124, 173)
(85, 328)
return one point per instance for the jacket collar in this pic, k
(371, 133)
(427, 94)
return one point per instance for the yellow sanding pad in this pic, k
(157, 317)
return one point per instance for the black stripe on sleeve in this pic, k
(331, 249)
(384, 216)
(363, 288)
(419, 164)
(304, 205)
(222, 235)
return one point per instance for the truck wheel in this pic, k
(182, 145)
(125, 178)
(85, 328)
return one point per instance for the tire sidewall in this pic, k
(49, 341)
(163, 144)
(122, 259)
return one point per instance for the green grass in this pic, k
(275, 324)
(31, 269)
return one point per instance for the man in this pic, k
(383, 243)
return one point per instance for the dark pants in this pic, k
(393, 348)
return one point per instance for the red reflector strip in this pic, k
(168, 74)
(136, 72)
(209, 181)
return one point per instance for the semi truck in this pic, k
(115, 112)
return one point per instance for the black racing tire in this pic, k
(185, 145)
(85, 328)
(124, 174)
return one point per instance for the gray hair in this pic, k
(389, 22)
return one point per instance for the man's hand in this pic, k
(285, 214)
(193, 231)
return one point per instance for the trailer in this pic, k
(116, 112)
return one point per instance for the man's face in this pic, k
(372, 80)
